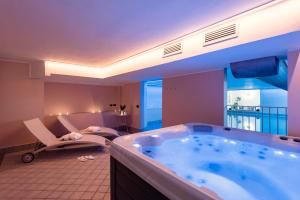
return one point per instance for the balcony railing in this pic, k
(258, 118)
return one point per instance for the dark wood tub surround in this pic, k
(126, 185)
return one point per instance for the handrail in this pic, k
(270, 119)
(257, 106)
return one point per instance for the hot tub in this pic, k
(198, 161)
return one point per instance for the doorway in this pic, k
(152, 105)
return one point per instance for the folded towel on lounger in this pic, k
(93, 129)
(71, 136)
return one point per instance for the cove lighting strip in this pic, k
(52, 68)
(261, 15)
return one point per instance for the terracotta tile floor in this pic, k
(56, 175)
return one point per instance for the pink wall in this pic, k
(73, 98)
(294, 93)
(22, 98)
(25, 96)
(81, 101)
(131, 97)
(194, 98)
(190, 98)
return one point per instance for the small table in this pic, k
(123, 121)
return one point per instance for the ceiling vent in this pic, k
(172, 50)
(220, 34)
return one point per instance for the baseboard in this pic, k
(18, 148)
(134, 130)
(24, 147)
(13, 149)
(1, 156)
(128, 129)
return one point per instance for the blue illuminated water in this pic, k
(235, 170)
(257, 122)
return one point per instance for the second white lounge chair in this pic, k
(50, 142)
(103, 131)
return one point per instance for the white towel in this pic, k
(93, 129)
(71, 136)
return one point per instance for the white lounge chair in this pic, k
(50, 142)
(104, 131)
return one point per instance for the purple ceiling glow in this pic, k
(100, 32)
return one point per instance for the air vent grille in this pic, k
(221, 34)
(172, 50)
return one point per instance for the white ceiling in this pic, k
(216, 60)
(100, 32)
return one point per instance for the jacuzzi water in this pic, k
(233, 169)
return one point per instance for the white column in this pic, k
(294, 93)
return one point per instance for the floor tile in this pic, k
(56, 175)
(87, 195)
(98, 195)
